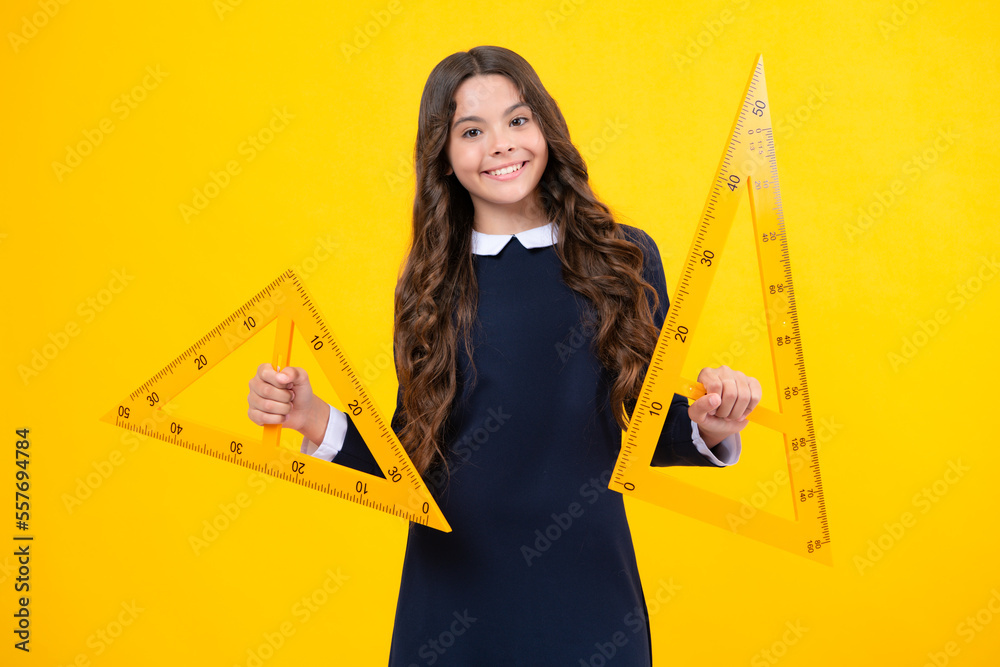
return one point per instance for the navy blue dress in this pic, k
(539, 568)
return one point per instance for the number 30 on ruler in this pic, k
(748, 164)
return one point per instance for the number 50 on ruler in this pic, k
(748, 168)
(399, 490)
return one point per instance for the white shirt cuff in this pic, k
(333, 439)
(726, 453)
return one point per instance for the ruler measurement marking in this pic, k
(754, 116)
(382, 494)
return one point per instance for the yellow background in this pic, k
(860, 91)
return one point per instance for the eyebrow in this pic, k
(480, 120)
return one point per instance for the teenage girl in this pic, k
(525, 317)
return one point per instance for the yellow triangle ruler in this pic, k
(748, 164)
(401, 492)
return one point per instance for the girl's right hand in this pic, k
(286, 398)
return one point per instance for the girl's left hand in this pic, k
(729, 397)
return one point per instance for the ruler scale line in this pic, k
(284, 298)
(808, 535)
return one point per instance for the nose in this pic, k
(503, 144)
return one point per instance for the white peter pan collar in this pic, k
(492, 244)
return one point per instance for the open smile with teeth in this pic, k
(506, 170)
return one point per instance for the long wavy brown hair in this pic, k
(436, 296)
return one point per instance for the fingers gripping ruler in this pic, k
(401, 492)
(748, 163)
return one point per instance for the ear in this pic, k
(448, 171)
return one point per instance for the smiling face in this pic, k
(497, 152)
